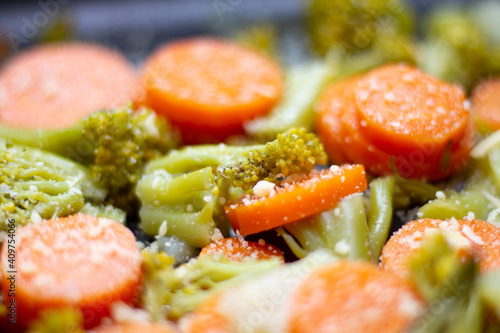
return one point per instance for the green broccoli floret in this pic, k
(457, 49)
(184, 192)
(114, 144)
(172, 292)
(355, 25)
(36, 184)
(67, 320)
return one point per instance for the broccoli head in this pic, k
(36, 185)
(114, 144)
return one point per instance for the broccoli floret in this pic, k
(68, 320)
(106, 211)
(174, 292)
(456, 49)
(36, 184)
(183, 193)
(114, 144)
(355, 25)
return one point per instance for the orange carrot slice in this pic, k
(350, 296)
(209, 87)
(293, 201)
(78, 261)
(402, 109)
(486, 104)
(482, 236)
(54, 85)
(239, 249)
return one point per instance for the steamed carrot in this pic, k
(209, 87)
(402, 110)
(238, 249)
(293, 201)
(481, 239)
(54, 85)
(77, 261)
(350, 296)
(207, 318)
(486, 104)
(346, 140)
(133, 327)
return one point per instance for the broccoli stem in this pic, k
(380, 216)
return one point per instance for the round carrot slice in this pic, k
(209, 87)
(133, 327)
(482, 242)
(486, 104)
(401, 109)
(320, 191)
(78, 261)
(207, 318)
(350, 296)
(54, 85)
(239, 249)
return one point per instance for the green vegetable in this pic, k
(380, 213)
(456, 47)
(36, 184)
(106, 211)
(447, 281)
(174, 292)
(114, 144)
(355, 25)
(185, 191)
(67, 320)
(341, 230)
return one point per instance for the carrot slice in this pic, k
(482, 236)
(78, 261)
(344, 139)
(402, 109)
(350, 296)
(209, 87)
(239, 249)
(291, 202)
(132, 327)
(54, 85)
(486, 104)
(207, 318)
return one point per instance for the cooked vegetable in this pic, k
(342, 297)
(190, 205)
(54, 85)
(114, 144)
(68, 320)
(486, 105)
(354, 26)
(175, 292)
(456, 48)
(369, 124)
(37, 185)
(469, 236)
(78, 261)
(240, 249)
(317, 192)
(209, 87)
(341, 230)
(447, 279)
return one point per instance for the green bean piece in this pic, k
(494, 164)
(353, 213)
(194, 228)
(380, 215)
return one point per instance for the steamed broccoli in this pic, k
(356, 25)
(36, 185)
(174, 292)
(183, 193)
(114, 144)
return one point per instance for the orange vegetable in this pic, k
(77, 261)
(482, 236)
(486, 104)
(133, 327)
(209, 87)
(207, 318)
(238, 250)
(350, 296)
(54, 85)
(348, 138)
(296, 200)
